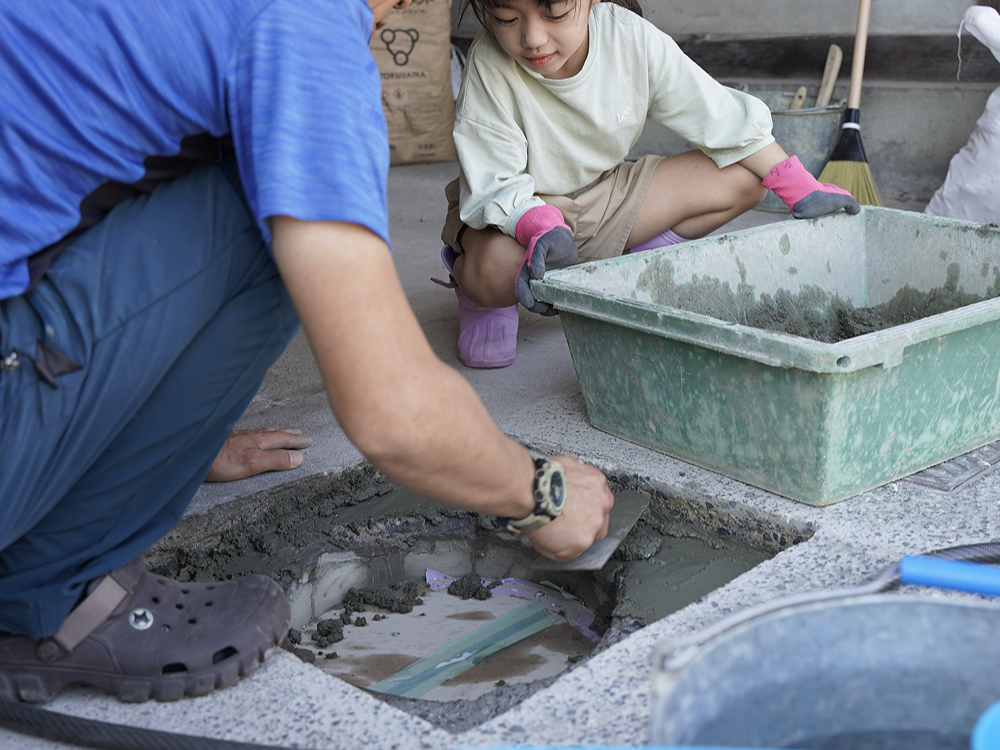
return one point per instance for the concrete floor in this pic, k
(607, 699)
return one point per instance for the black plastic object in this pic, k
(849, 146)
(73, 730)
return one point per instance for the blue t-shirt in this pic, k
(93, 90)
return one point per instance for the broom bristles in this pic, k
(848, 165)
(855, 177)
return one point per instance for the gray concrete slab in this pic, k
(606, 699)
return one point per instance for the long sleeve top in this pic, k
(520, 135)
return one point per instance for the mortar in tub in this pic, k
(668, 353)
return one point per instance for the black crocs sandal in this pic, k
(140, 636)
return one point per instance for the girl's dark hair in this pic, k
(479, 8)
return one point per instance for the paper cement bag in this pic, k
(413, 53)
(971, 189)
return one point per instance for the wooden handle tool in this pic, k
(799, 99)
(834, 58)
(858, 60)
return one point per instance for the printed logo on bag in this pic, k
(400, 43)
(413, 53)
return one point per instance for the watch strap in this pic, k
(549, 492)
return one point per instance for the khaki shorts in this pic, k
(600, 216)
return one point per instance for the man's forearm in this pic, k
(413, 417)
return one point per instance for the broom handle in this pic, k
(858, 61)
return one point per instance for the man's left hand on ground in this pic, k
(247, 453)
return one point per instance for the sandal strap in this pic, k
(91, 613)
(449, 284)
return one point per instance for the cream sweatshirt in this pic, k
(520, 135)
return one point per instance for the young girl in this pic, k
(554, 94)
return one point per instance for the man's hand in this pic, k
(585, 517)
(251, 452)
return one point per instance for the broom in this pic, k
(848, 166)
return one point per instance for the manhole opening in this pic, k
(338, 540)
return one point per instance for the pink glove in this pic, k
(549, 244)
(804, 195)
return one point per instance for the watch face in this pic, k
(557, 489)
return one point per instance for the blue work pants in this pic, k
(175, 311)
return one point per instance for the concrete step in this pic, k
(895, 57)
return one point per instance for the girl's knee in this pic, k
(747, 190)
(487, 270)
(755, 194)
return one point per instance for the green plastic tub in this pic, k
(668, 354)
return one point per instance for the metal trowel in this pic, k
(629, 505)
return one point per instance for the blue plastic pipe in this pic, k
(958, 575)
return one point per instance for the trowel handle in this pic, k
(958, 575)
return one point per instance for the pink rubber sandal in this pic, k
(487, 336)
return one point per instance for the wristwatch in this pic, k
(549, 491)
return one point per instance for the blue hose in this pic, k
(950, 574)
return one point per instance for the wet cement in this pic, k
(281, 542)
(662, 565)
(279, 533)
(457, 717)
(813, 312)
(397, 597)
(469, 586)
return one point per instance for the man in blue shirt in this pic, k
(180, 183)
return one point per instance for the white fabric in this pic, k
(520, 135)
(983, 23)
(457, 63)
(971, 189)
